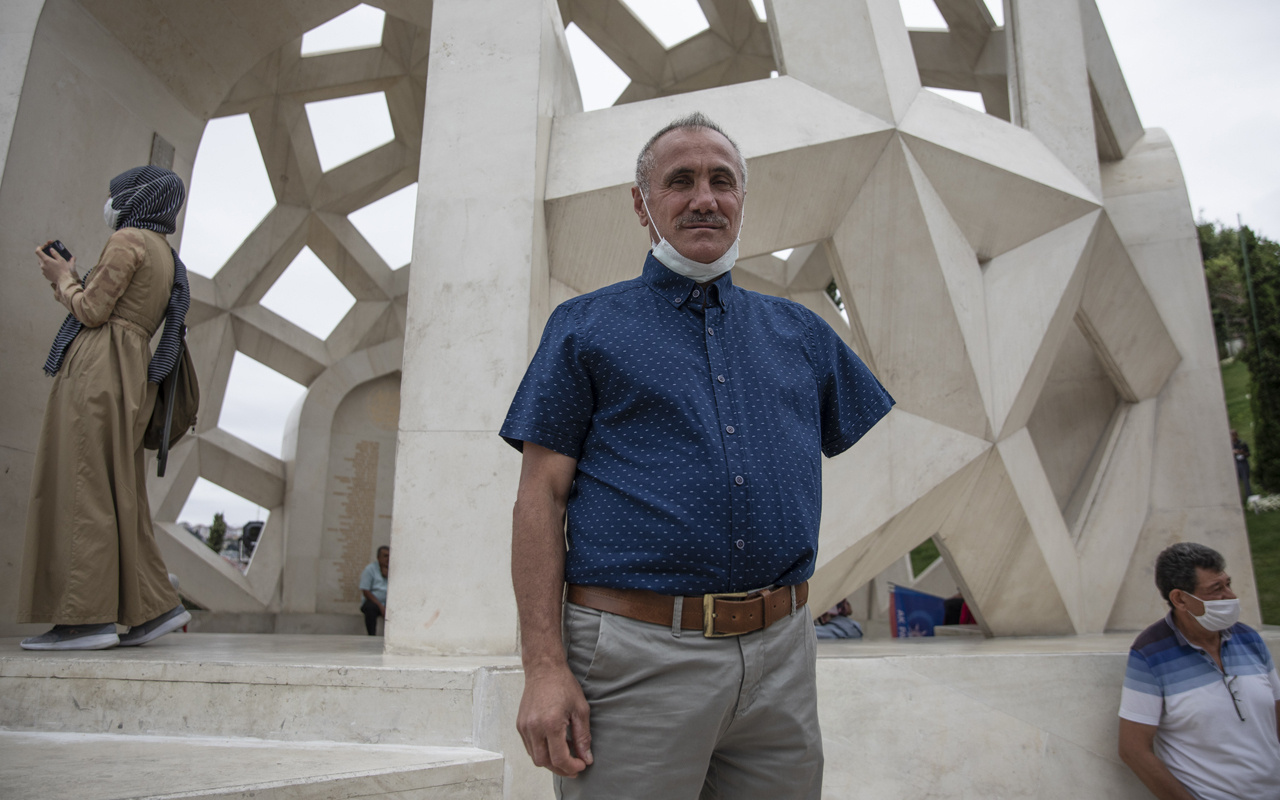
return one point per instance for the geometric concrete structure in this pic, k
(1026, 282)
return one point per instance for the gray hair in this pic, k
(1176, 567)
(644, 162)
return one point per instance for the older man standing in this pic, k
(678, 420)
(1201, 696)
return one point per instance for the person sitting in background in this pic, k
(1201, 695)
(373, 585)
(836, 624)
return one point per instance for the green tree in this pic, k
(1262, 351)
(1224, 274)
(217, 533)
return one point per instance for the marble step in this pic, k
(278, 687)
(56, 766)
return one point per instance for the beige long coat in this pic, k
(90, 553)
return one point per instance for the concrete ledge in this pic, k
(322, 624)
(955, 717)
(961, 718)
(101, 767)
(281, 687)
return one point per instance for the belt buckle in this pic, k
(709, 613)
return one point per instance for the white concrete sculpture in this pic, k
(1026, 282)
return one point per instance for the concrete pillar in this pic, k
(857, 51)
(477, 303)
(18, 20)
(1049, 82)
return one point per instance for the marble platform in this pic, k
(955, 717)
(91, 766)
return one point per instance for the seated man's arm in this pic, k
(366, 583)
(368, 595)
(553, 703)
(1138, 752)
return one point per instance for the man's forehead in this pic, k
(1207, 577)
(682, 141)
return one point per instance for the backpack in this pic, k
(175, 411)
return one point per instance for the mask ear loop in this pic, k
(652, 222)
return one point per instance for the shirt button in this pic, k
(738, 479)
(697, 293)
(711, 331)
(728, 429)
(720, 378)
(740, 544)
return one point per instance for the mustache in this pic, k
(703, 219)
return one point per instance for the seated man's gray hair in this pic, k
(1176, 567)
(644, 162)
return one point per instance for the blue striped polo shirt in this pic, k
(1176, 686)
(698, 424)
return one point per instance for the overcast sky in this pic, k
(1205, 72)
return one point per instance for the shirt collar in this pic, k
(677, 289)
(1224, 636)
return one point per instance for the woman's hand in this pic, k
(52, 265)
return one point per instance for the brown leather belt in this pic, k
(729, 614)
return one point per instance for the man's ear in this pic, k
(637, 202)
(1179, 600)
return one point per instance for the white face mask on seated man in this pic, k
(1218, 614)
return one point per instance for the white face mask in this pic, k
(1218, 614)
(110, 215)
(672, 260)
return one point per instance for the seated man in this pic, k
(1201, 696)
(836, 624)
(373, 585)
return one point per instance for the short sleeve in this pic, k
(555, 401)
(366, 579)
(853, 401)
(1275, 685)
(1142, 699)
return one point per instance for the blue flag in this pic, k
(915, 613)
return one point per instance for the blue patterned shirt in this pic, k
(697, 431)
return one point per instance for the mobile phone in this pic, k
(61, 250)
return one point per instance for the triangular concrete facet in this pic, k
(897, 289)
(852, 567)
(1032, 295)
(999, 182)
(997, 559)
(1116, 513)
(898, 462)
(1122, 322)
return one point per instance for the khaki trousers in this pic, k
(684, 717)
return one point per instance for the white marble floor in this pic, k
(86, 766)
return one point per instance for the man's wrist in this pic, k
(543, 664)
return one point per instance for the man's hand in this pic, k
(552, 709)
(553, 706)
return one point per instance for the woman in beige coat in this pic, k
(90, 558)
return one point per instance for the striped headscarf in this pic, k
(148, 198)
